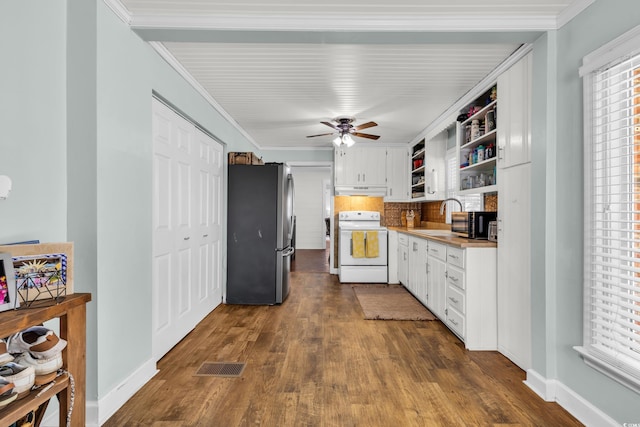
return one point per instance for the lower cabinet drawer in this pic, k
(455, 322)
(455, 277)
(455, 256)
(455, 299)
(437, 250)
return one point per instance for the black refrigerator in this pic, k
(259, 233)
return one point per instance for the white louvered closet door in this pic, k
(187, 203)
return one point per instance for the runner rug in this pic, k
(390, 302)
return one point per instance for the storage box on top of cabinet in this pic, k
(244, 158)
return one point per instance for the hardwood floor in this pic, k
(314, 361)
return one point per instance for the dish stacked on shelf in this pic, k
(28, 360)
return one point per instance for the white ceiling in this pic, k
(278, 68)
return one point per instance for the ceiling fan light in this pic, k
(337, 141)
(347, 140)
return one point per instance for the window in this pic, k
(611, 341)
(470, 202)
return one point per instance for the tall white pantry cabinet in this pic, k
(514, 213)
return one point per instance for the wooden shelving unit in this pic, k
(72, 314)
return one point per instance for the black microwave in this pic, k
(472, 225)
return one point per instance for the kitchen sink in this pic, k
(434, 232)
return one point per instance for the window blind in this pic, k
(612, 220)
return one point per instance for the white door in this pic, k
(514, 270)
(397, 174)
(436, 285)
(418, 267)
(514, 108)
(187, 198)
(372, 165)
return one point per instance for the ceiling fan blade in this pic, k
(365, 135)
(331, 125)
(322, 134)
(365, 126)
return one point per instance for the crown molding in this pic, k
(281, 148)
(176, 65)
(329, 22)
(119, 10)
(574, 9)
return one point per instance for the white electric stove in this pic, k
(361, 269)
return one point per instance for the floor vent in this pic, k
(220, 369)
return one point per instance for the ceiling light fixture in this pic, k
(343, 139)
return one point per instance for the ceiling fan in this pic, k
(345, 128)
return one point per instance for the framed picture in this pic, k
(42, 276)
(43, 271)
(8, 299)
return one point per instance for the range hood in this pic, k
(360, 190)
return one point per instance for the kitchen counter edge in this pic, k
(460, 242)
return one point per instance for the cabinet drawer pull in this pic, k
(186, 238)
(454, 278)
(453, 321)
(453, 256)
(453, 300)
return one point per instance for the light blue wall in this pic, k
(560, 271)
(128, 72)
(33, 120)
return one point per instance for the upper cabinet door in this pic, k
(372, 166)
(360, 166)
(397, 175)
(514, 114)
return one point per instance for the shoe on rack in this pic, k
(43, 367)
(5, 356)
(6, 388)
(41, 342)
(5, 399)
(23, 377)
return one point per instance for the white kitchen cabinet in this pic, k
(514, 267)
(418, 267)
(514, 214)
(403, 259)
(456, 284)
(436, 277)
(397, 169)
(392, 268)
(514, 120)
(471, 296)
(357, 166)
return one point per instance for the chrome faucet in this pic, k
(444, 203)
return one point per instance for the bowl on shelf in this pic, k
(417, 163)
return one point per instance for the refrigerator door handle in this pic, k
(288, 252)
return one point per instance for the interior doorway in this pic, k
(313, 207)
(310, 205)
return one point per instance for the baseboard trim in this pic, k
(109, 404)
(576, 405)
